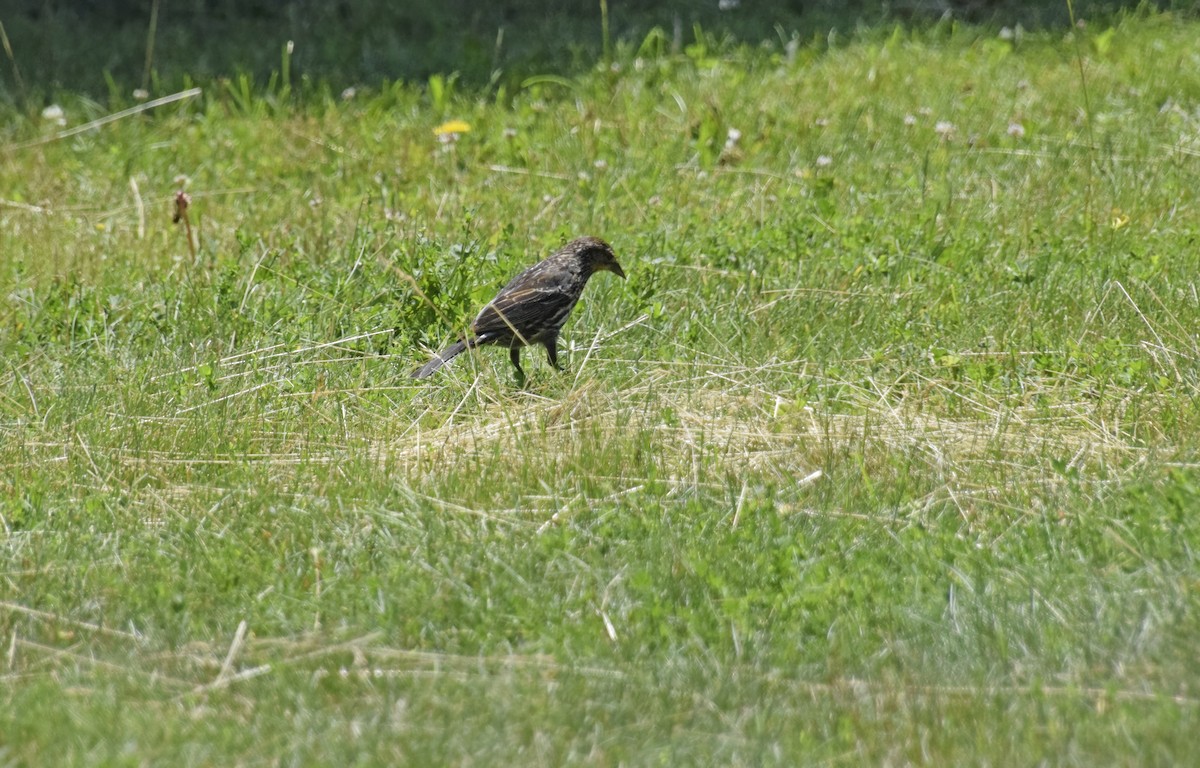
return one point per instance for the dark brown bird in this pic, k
(532, 308)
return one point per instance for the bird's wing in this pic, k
(526, 310)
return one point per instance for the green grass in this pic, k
(885, 453)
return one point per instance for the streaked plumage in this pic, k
(532, 308)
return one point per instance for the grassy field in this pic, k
(887, 452)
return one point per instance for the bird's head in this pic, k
(596, 254)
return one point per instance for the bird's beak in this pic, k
(616, 270)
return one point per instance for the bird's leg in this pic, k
(552, 351)
(514, 354)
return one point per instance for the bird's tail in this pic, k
(443, 357)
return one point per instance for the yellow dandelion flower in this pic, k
(454, 126)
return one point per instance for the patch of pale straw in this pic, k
(732, 422)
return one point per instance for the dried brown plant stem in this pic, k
(182, 202)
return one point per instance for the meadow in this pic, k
(887, 451)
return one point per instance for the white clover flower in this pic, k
(824, 160)
(732, 138)
(944, 128)
(54, 114)
(1016, 130)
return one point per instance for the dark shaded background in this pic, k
(99, 46)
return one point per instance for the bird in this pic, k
(532, 308)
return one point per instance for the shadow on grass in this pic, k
(115, 47)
